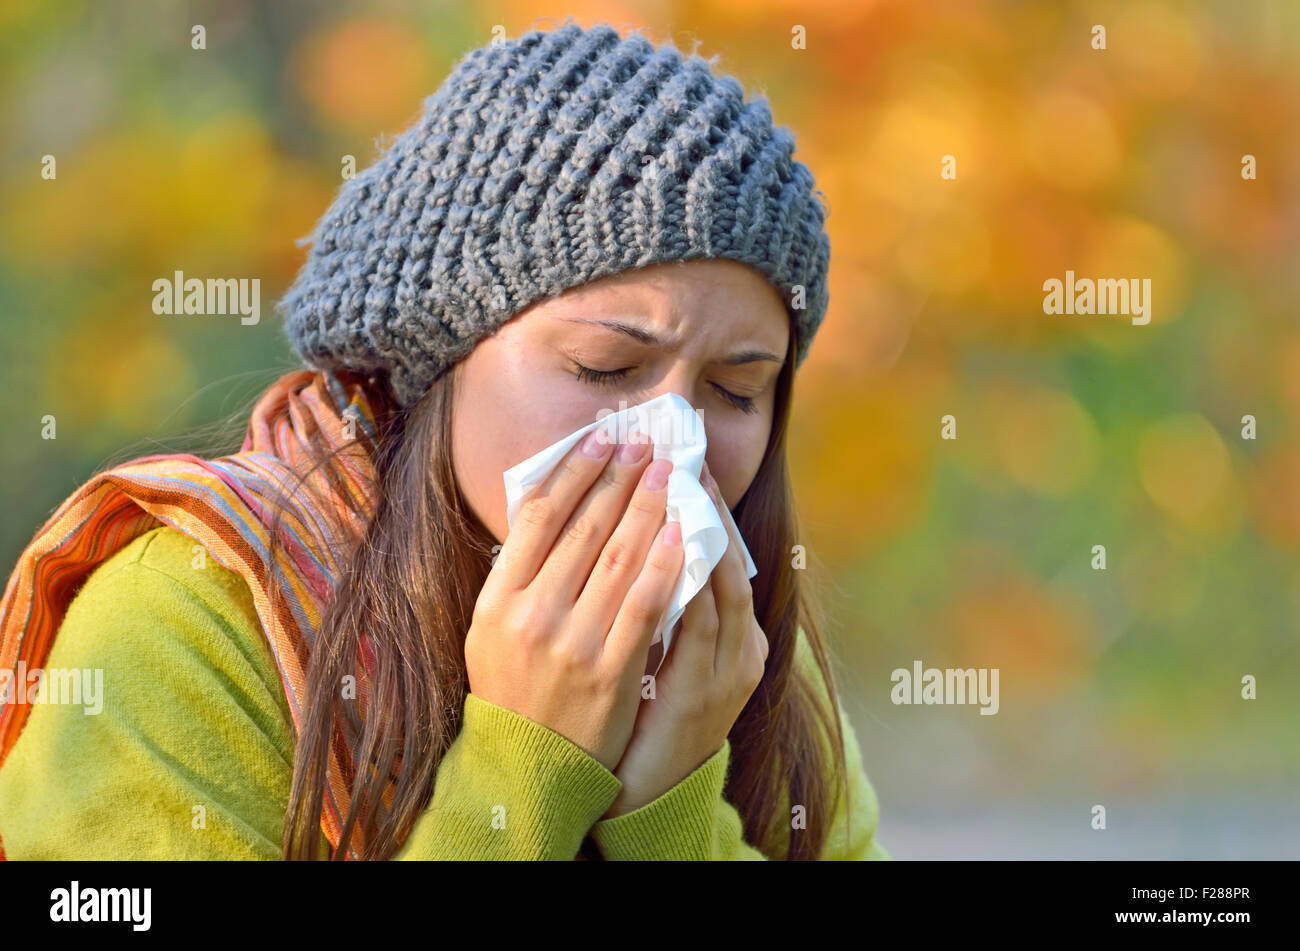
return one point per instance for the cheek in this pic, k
(477, 459)
(735, 452)
(487, 431)
(499, 421)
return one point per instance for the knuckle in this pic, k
(616, 558)
(487, 606)
(576, 466)
(664, 559)
(582, 529)
(536, 512)
(609, 477)
(569, 654)
(530, 638)
(531, 625)
(646, 505)
(741, 599)
(640, 609)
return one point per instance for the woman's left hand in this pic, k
(717, 661)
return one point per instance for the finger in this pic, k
(697, 643)
(732, 556)
(646, 603)
(567, 567)
(753, 660)
(624, 555)
(542, 517)
(731, 587)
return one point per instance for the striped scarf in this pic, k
(226, 505)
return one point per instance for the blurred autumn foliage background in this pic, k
(1119, 687)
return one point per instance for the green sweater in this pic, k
(191, 755)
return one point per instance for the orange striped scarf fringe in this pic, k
(226, 505)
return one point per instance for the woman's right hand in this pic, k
(562, 628)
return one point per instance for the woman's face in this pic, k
(702, 329)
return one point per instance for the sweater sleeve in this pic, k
(190, 755)
(694, 821)
(509, 788)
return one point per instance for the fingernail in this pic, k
(673, 534)
(656, 476)
(630, 452)
(594, 445)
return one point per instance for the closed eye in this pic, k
(745, 404)
(601, 376)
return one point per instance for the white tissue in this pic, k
(677, 433)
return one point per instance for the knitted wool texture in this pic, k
(539, 164)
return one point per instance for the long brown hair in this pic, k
(412, 578)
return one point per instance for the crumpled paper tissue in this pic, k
(676, 431)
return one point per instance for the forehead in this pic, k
(714, 296)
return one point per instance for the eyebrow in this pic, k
(645, 337)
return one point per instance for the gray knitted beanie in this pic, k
(542, 163)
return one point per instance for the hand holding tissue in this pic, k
(676, 432)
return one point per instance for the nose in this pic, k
(682, 381)
(679, 380)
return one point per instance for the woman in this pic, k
(331, 644)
